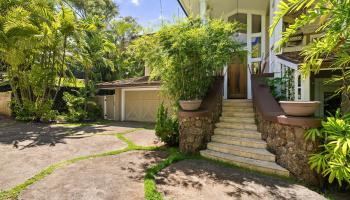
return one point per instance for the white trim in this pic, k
(287, 63)
(249, 57)
(305, 88)
(105, 107)
(203, 9)
(114, 114)
(123, 90)
(225, 81)
(245, 11)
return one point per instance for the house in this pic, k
(258, 15)
(137, 99)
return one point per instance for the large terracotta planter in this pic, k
(299, 108)
(190, 105)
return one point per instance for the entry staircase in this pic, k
(237, 141)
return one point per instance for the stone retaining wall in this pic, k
(291, 149)
(195, 132)
(197, 127)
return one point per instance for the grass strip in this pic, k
(151, 192)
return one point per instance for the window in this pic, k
(241, 36)
(256, 23)
(299, 87)
(256, 47)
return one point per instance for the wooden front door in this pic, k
(237, 80)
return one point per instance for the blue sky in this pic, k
(148, 12)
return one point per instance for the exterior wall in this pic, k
(5, 98)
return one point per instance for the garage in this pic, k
(135, 99)
(141, 105)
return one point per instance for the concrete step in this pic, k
(237, 125)
(237, 133)
(244, 142)
(257, 165)
(247, 152)
(250, 120)
(226, 113)
(237, 103)
(238, 109)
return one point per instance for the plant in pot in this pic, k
(282, 89)
(189, 54)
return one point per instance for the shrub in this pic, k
(186, 55)
(333, 159)
(94, 111)
(167, 129)
(75, 106)
(33, 111)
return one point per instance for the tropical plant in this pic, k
(33, 43)
(333, 159)
(332, 19)
(43, 42)
(81, 107)
(167, 128)
(282, 88)
(186, 55)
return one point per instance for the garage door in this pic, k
(142, 105)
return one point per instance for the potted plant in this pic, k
(190, 53)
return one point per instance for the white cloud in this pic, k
(135, 2)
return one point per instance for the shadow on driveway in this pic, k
(200, 179)
(26, 135)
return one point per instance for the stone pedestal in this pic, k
(195, 132)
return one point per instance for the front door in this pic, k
(237, 79)
(252, 37)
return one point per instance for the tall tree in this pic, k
(89, 8)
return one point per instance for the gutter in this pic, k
(182, 7)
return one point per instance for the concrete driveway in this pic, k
(28, 148)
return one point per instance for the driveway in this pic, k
(28, 148)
